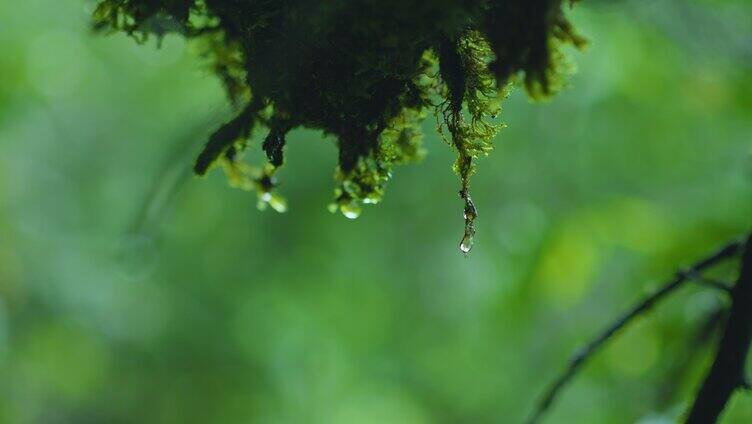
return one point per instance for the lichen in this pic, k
(365, 72)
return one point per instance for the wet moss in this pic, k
(364, 71)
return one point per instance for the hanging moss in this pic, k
(364, 71)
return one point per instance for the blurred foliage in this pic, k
(132, 292)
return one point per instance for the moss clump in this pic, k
(364, 71)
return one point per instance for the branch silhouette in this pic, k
(727, 372)
(583, 355)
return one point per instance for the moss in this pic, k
(364, 71)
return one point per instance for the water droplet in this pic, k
(350, 210)
(467, 243)
(469, 213)
(267, 198)
(278, 203)
(371, 200)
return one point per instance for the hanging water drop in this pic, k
(350, 210)
(262, 201)
(469, 213)
(267, 198)
(278, 203)
(467, 243)
(371, 199)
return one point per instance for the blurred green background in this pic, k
(132, 292)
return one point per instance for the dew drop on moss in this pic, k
(350, 210)
(467, 243)
(469, 214)
(278, 203)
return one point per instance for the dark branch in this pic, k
(707, 282)
(579, 358)
(727, 373)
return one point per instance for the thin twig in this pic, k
(705, 281)
(579, 358)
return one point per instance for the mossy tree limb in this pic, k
(363, 71)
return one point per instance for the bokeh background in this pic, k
(132, 292)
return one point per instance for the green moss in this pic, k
(364, 71)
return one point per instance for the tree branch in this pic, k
(727, 373)
(579, 358)
(707, 282)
